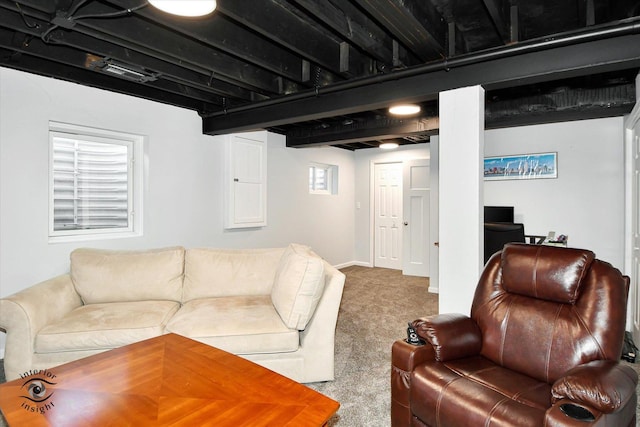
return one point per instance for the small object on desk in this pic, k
(552, 241)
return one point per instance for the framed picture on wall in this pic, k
(521, 166)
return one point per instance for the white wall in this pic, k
(183, 181)
(586, 201)
(363, 163)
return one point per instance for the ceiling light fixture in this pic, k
(404, 109)
(388, 145)
(185, 7)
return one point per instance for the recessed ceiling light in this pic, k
(388, 145)
(404, 109)
(185, 7)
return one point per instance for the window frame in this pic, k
(331, 179)
(135, 144)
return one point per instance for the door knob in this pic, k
(406, 223)
(436, 244)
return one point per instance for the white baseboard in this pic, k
(351, 263)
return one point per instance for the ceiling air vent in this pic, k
(114, 68)
(417, 138)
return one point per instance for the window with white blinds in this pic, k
(323, 179)
(91, 184)
(318, 178)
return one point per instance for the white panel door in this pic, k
(246, 174)
(635, 232)
(388, 215)
(416, 194)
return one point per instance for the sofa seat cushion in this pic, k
(106, 326)
(298, 285)
(101, 276)
(237, 324)
(470, 391)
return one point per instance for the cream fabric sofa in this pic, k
(277, 307)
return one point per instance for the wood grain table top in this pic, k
(165, 381)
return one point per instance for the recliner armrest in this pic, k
(453, 336)
(604, 385)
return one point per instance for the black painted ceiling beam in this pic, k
(499, 68)
(556, 116)
(381, 129)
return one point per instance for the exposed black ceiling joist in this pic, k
(321, 71)
(417, 25)
(382, 129)
(367, 35)
(33, 64)
(496, 69)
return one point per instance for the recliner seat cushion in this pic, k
(239, 325)
(102, 276)
(467, 391)
(106, 326)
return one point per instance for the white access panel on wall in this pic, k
(246, 180)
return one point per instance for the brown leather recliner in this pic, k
(541, 348)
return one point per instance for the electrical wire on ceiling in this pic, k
(65, 19)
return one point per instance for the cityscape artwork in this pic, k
(521, 166)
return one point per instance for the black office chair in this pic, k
(497, 234)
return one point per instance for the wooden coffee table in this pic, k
(168, 380)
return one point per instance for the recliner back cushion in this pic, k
(212, 273)
(541, 337)
(102, 276)
(298, 285)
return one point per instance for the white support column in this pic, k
(461, 197)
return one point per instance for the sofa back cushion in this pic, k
(298, 285)
(102, 276)
(212, 273)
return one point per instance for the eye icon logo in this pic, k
(37, 390)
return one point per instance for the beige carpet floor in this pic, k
(376, 306)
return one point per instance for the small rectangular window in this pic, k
(323, 179)
(92, 183)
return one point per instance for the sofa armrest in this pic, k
(453, 336)
(23, 314)
(317, 341)
(604, 385)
